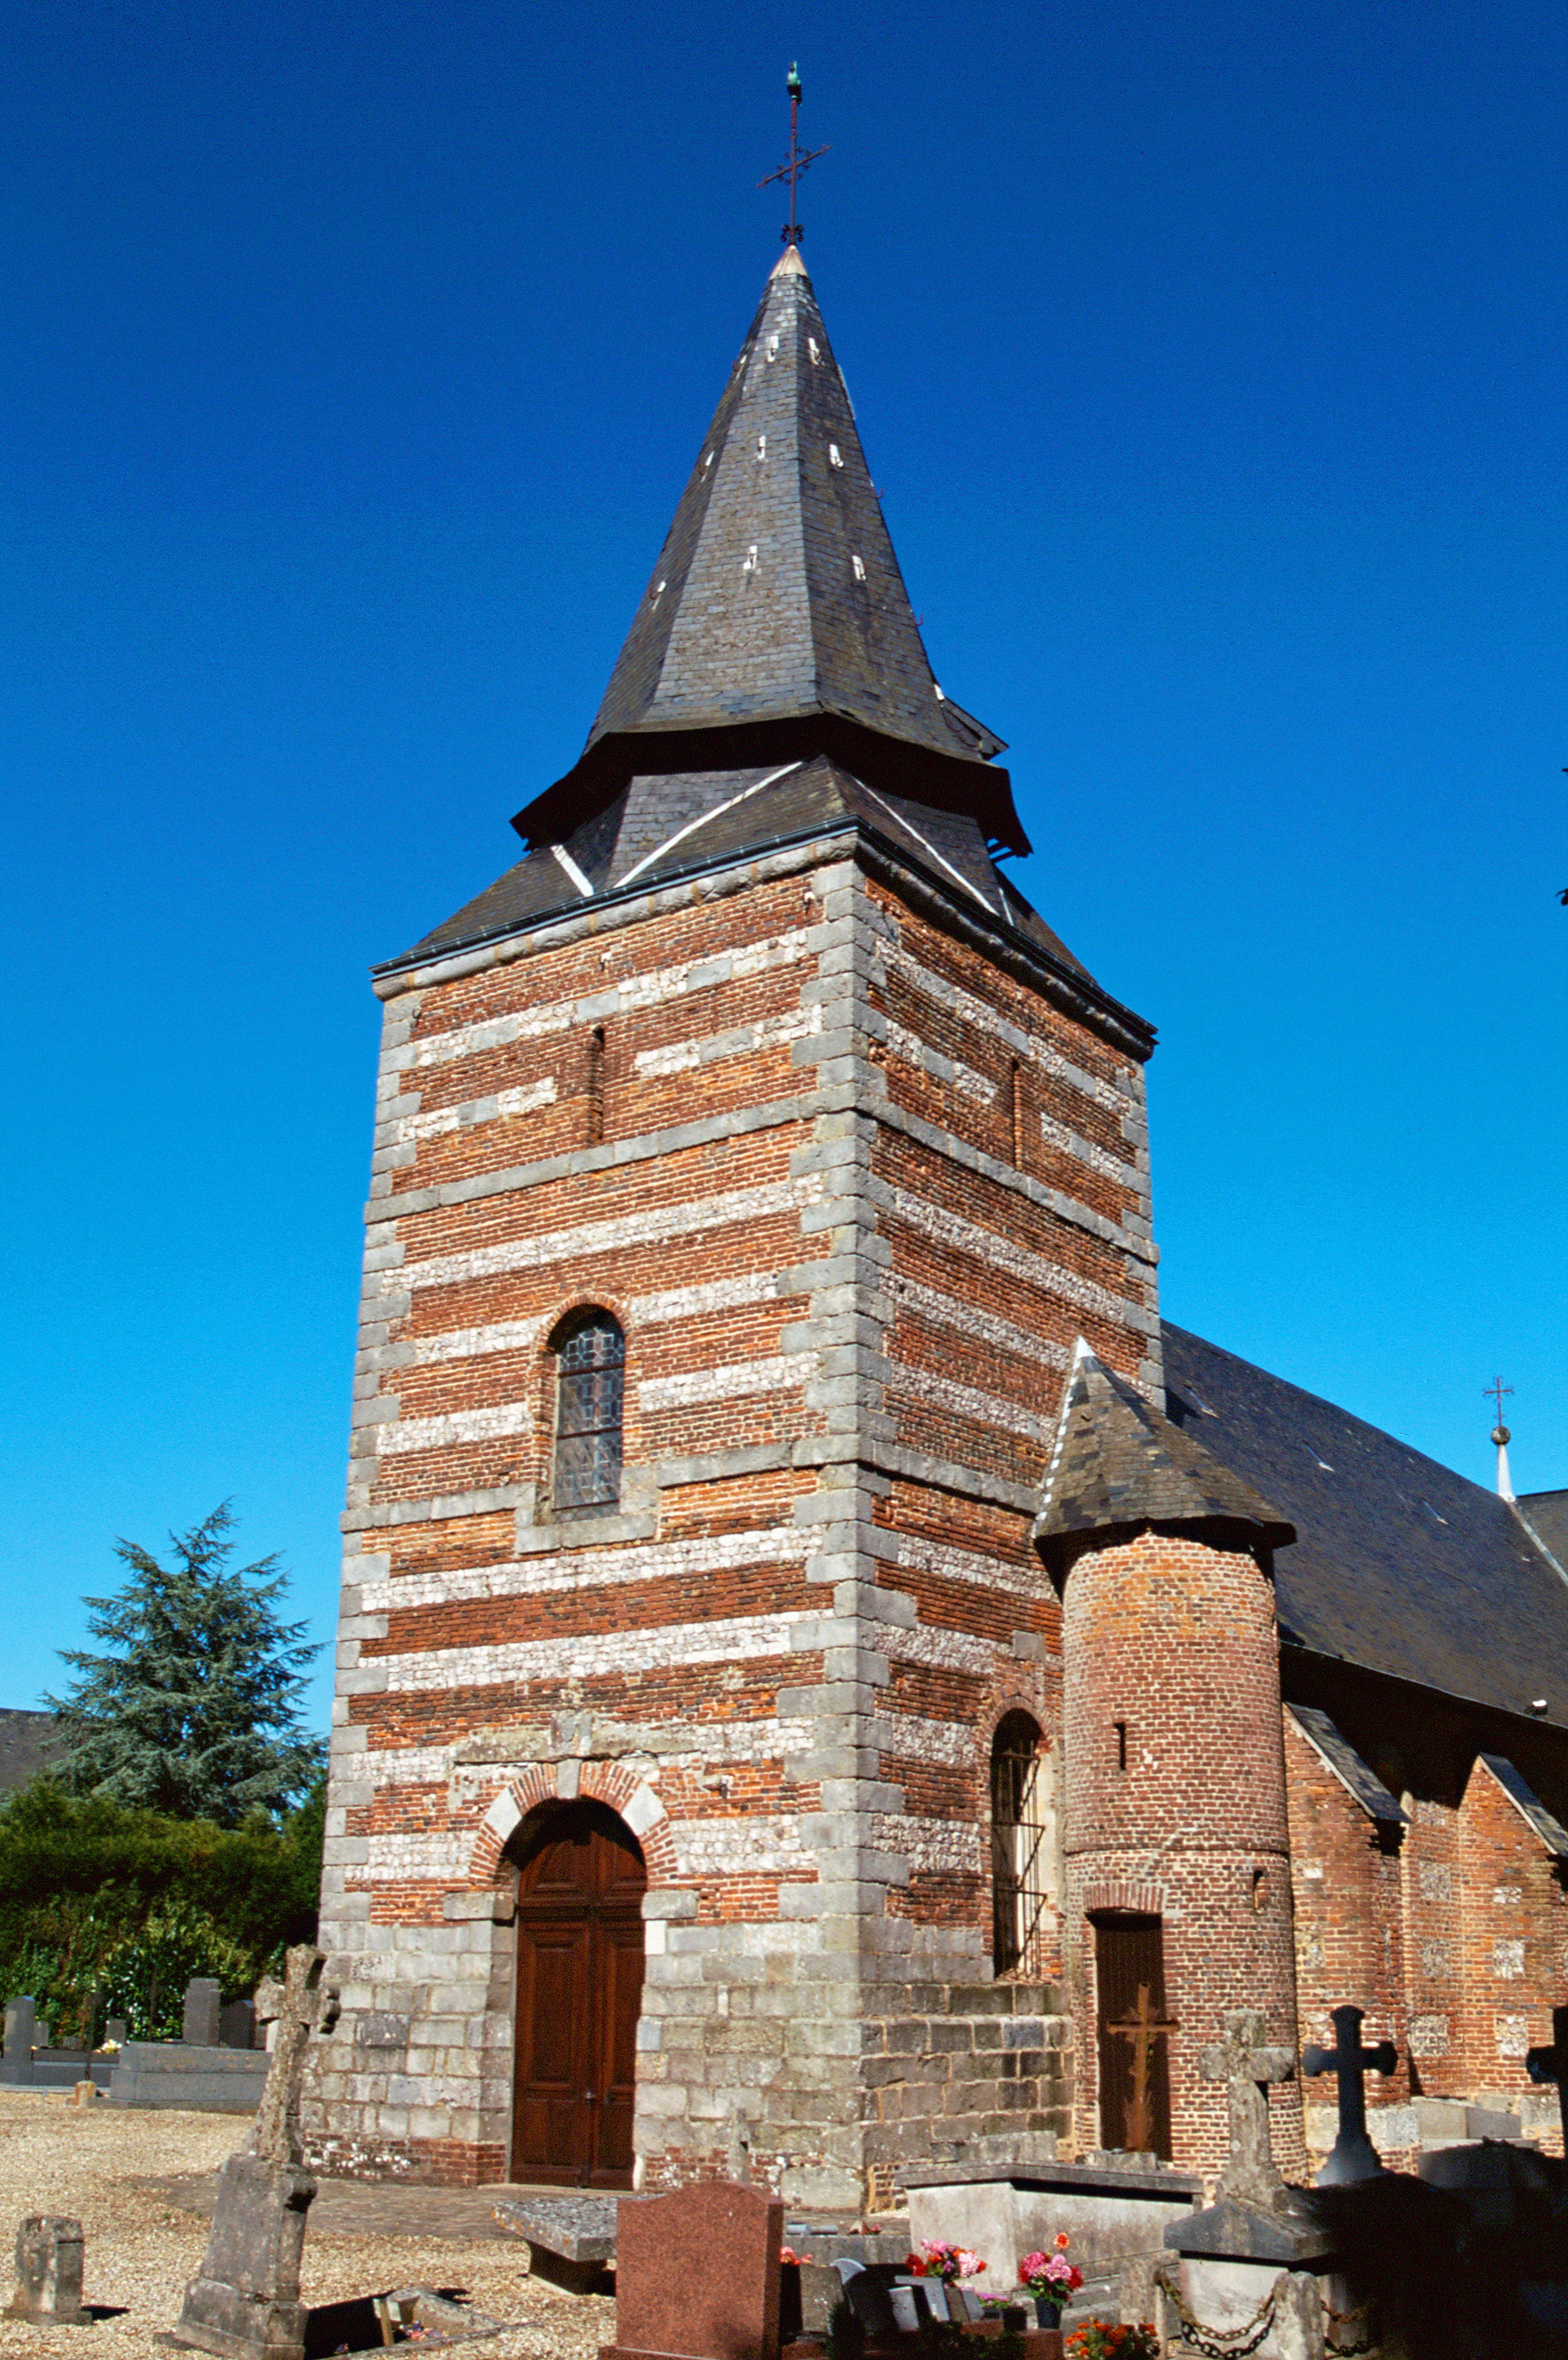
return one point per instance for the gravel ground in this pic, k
(140, 2248)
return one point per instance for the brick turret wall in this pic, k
(1172, 1662)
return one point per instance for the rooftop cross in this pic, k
(1354, 2155)
(794, 229)
(1246, 2066)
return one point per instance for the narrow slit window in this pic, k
(590, 1383)
(1119, 1730)
(596, 1086)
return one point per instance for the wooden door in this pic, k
(579, 1992)
(1134, 2028)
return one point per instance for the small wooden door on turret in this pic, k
(579, 1993)
(1133, 2026)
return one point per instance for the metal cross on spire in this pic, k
(1501, 1436)
(794, 229)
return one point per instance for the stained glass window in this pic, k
(590, 1359)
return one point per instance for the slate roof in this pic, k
(27, 1739)
(663, 828)
(1118, 1462)
(775, 624)
(1400, 1564)
(1546, 1513)
(1529, 1805)
(1340, 1756)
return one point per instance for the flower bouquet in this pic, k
(947, 2265)
(1051, 2278)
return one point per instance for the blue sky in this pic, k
(1211, 361)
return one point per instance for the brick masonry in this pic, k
(853, 1186)
(793, 1163)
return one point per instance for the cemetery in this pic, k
(885, 1801)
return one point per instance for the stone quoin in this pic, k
(831, 1690)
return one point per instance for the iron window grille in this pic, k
(590, 1361)
(1020, 1847)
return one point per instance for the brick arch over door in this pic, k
(1139, 1900)
(550, 1782)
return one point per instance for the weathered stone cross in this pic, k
(1143, 2027)
(303, 2004)
(1551, 2065)
(244, 2302)
(1354, 2156)
(1247, 2066)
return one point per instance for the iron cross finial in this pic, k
(794, 229)
(1495, 1392)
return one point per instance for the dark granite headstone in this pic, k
(49, 2272)
(1352, 2157)
(697, 2274)
(22, 2037)
(204, 2012)
(236, 2025)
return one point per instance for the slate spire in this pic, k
(775, 625)
(1119, 1465)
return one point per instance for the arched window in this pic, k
(1021, 1864)
(590, 1366)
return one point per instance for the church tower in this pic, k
(749, 1158)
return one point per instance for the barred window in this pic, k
(1020, 1864)
(590, 1361)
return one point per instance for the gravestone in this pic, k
(21, 2040)
(1254, 2262)
(245, 2300)
(236, 2025)
(1247, 2067)
(116, 2032)
(203, 2010)
(1550, 2066)
(1353, 2158)
(49, 2272)
(570, 2239)
(697, 2274)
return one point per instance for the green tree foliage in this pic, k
(106, 1910)
(195, 1713)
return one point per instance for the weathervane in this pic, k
(794, 230)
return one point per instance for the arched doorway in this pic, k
(579, 1991)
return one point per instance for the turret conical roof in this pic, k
(775, 625)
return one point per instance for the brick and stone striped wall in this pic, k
(852, 1187)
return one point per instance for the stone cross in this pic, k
(1548, 2065)
(1143, 2027)
(1247, 2067)
(305, 2004)
(245, 2300)
(1354, 2155)
(49, 2272)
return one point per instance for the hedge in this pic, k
(109, 1911)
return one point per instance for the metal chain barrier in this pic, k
(1222, 2343)
(1338, 2319)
